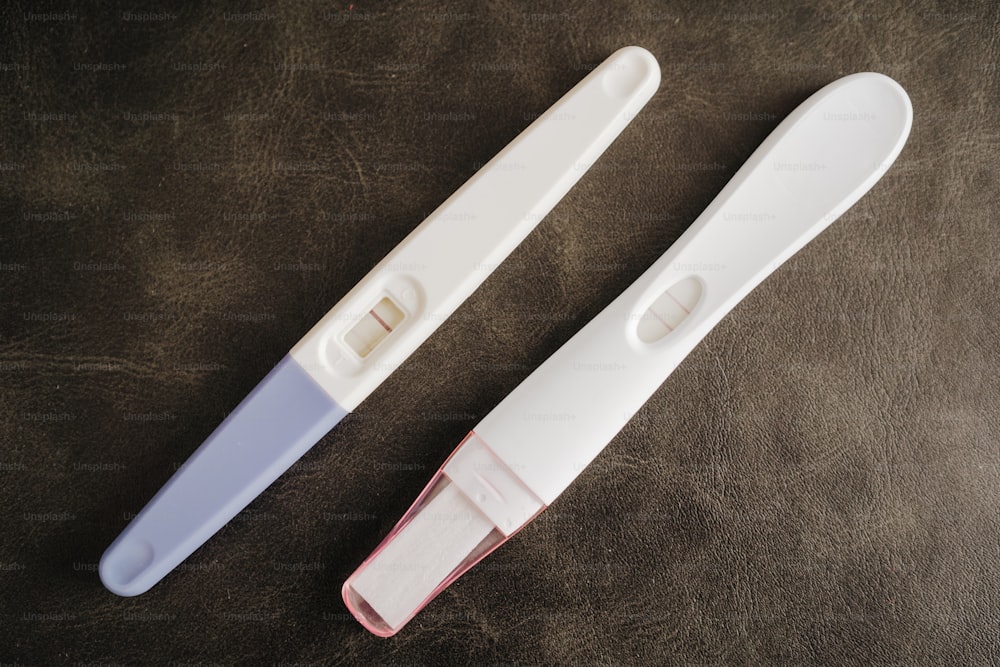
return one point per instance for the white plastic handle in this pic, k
(818, 162)
(425, 278)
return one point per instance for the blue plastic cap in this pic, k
(285, 415)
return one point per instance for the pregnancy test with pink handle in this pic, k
(380, 322)
(818, 162)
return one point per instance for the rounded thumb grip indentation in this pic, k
(123, 563)
(628, 71)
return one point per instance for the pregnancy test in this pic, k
(380, 322)
(818, 162)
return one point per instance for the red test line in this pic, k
(380, 321)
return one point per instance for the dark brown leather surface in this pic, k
(183, 196)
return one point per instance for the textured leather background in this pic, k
(816, 484)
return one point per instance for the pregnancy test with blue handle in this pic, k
(817, 163)
(380, 322)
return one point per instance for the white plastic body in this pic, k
(380, 322)
(431, 272)
(818, 162)
(815, 165)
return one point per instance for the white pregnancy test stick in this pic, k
(824, 157)
(380, 322)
